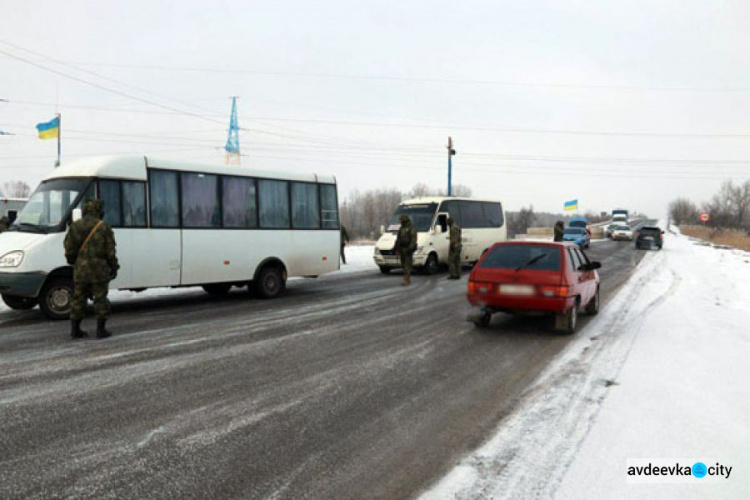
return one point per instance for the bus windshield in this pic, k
(421, 216)
(50, 204)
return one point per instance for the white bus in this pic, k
(176, 224)
(482, 224)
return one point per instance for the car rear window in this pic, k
(650, 230)
(547, 258)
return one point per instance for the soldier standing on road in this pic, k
(4, 224)
(90, 248)
(344, 242)
(454, 250)
(406, 244)
(559, 230)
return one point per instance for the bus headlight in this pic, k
(12, 259)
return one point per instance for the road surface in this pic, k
(350, 386)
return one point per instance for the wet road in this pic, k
(350, 386)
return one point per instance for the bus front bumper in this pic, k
(394, 261)
(21, 284)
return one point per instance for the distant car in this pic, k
(580, 222)
(608, 230)
(622, 232)
(578, 235)
(523, 277)
(649, 237)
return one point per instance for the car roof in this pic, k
(657, 228)
(559, 244)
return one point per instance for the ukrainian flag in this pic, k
(571, 205)
(49, 130)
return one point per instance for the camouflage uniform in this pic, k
(406, 245)
(95, 264)
(4, 224)
(454, 250)
(559, 229)
(344, 241)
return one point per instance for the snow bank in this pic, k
(662, 372)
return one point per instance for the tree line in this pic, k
(727, 209)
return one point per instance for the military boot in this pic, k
(101, 329)
(75, 330)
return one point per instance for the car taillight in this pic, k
(554, 291)
(478, 287)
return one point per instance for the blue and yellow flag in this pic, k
(571, 205)
(49, 130)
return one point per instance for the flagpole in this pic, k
(59, 133)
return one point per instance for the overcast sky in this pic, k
(615, 103)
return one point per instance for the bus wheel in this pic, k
(270, 282)
(19, 303)
(385, 270)
(55, 298)
(217, 289)
(431, 266)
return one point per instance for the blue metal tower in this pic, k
(232, 146)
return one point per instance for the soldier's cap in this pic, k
(449, 220)
(94, 207)
(404, 218)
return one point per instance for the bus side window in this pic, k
(305, 209)
(109, 192)
(274, 204)
(164, 199)
(472, 215)
(238, 198)
(493, 214)
(329, 209)
(200, 200)
(133, 204)
(452, 208)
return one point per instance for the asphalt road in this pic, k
(347, 387)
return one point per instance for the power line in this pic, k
(427, 79)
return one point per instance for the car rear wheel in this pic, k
(55, 299)
(19, 303)
(484, 319)
(592, 308)
(567, 322)
(431, 266)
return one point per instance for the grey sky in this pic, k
(369, 92)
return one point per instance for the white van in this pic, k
(482, 223)
(176, 224)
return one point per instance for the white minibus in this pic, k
(176, 224)
(482, 224)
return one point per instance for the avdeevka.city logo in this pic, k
(671, 471)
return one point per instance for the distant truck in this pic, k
(619, 215)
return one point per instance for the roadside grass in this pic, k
(729, 237)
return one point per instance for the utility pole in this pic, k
(451, 153)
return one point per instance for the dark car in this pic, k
(649, 237)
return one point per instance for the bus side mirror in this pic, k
(382, 230)
(77, 214)
(442, 221)
(12, 214)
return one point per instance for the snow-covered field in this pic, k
(661, 374)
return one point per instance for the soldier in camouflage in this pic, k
(406, 245)
(90, 248)
(559, 230)
(344, 242)
(4, 224)
(454, 250)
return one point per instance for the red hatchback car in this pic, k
(523, 277)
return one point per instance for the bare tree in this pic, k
(683, 211)
(16, 189)
(519, 222)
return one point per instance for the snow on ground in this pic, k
(661, 373)
(358, 258)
